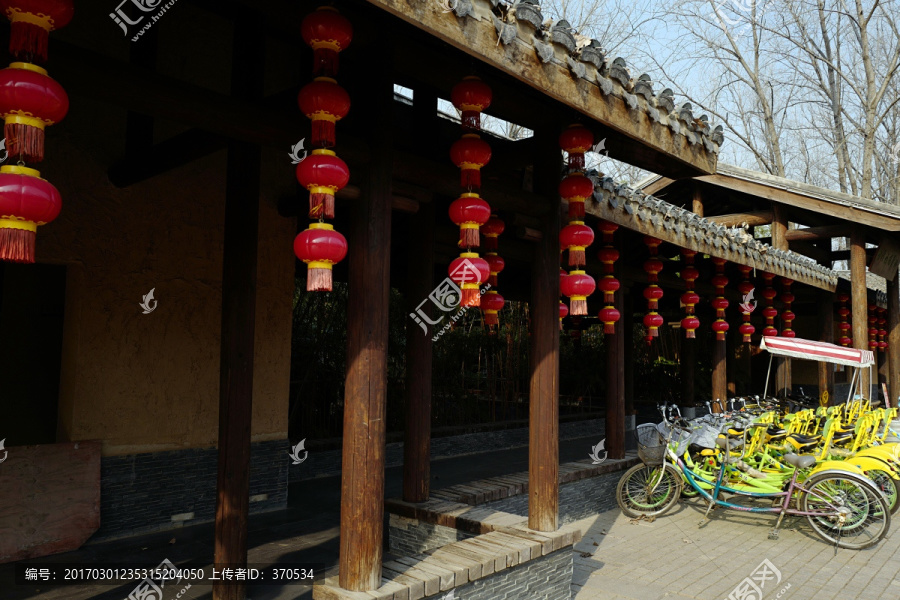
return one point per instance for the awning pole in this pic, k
(852, 383)
(768, 373)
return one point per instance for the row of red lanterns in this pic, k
(323, 173)
(30, 100)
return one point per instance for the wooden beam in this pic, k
(893, 328)
(660, 184)
(859, 297)
(241, 233)
(543, 428)
(811, 234)
(365, 389)
(845, 254)
(750, 219)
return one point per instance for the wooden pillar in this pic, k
(686, 366)
(719, 375)
(826, 319)
(365, 388)
(543, 428)
(628, 353)
(893, 339)
(697, 200)
(783, 383)
(732, 339)
(241, 234)
(615, 380)
(420, 281)
(859, 298)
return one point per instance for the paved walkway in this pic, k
(672, 557)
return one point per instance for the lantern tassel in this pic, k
(609, 328)
(24, 140)
(468, 237)
(578, 307)
(576, 210)
(323, 134)
(471, 120)
(471, 297)
(470, 178)
(28, 41)
(576, 161)
(321, 205)
(17, 245)
(492, 280)
(318, 280)
(689, 333)
(326, 62)
(491, 319)
(577, 257)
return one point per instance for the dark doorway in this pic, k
(32, 302)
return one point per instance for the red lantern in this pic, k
(576, 140)
(769, 312)
(492, 230)
(32, 22)
(29, 101)
(471, 97)
(26, 201)
(719, 281)
(323, 174)
(325, 103)
(576, 237)
(320, 247)
(563, 311)
(469, 212)
(652, 321)
(575, 189)
(720, 327)
(607, 229)
(491, 304)
(609, 316)
(577, 286)
(690, 274)
(327, 33)
(653, 293)
(787, 316)
(882, 332)
(844, 326)
(470, 153)
(496, 264)
(690, 325)
(469, 272)
(746, 289)
(609, 285)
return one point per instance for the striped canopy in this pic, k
(818, 351)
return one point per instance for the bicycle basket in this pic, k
(651, 445)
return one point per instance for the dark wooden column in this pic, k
(365, 388)
(732, 340)
(780, 242)
(241, 234)
(893, 339)
(826, 319)
(687, 362)
(420, 281)
(543, 427)
(859, 298)
(628, 354)
(719, 377)
(615, 380)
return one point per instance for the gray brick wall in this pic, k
(140, 493)
(577, 500)
(411, 536)
(328, 462)
(545, 578)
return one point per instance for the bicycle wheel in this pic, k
(851, 512)
(884, 482)
(648, 491)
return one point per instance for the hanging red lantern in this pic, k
(609, 316)
(689, 299)
(844, 325)
(882, 332)
(769, 312)
(32, 22)
(607, 229)
(471, 97)
(491, 231)
(576, 140)
(653, 293)
(609, 285)
(577, 286)
(325, 103)
(470, 153)
(323, 174)
(873, 330)
(720, 303)
(26, 201)
(563, 311)
(576, 237)
(690, 325)
(787, 317)
(327, 32)
(491, 304)
(29, 101)
(469, 212)
(575, 189)
(469, 271)
(320, 247)
(496, 264)
(746, 288)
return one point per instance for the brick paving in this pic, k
(671, 557)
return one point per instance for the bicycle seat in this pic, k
(801, 462)
(840, 438)
(805, 439)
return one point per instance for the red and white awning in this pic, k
(818, 351)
